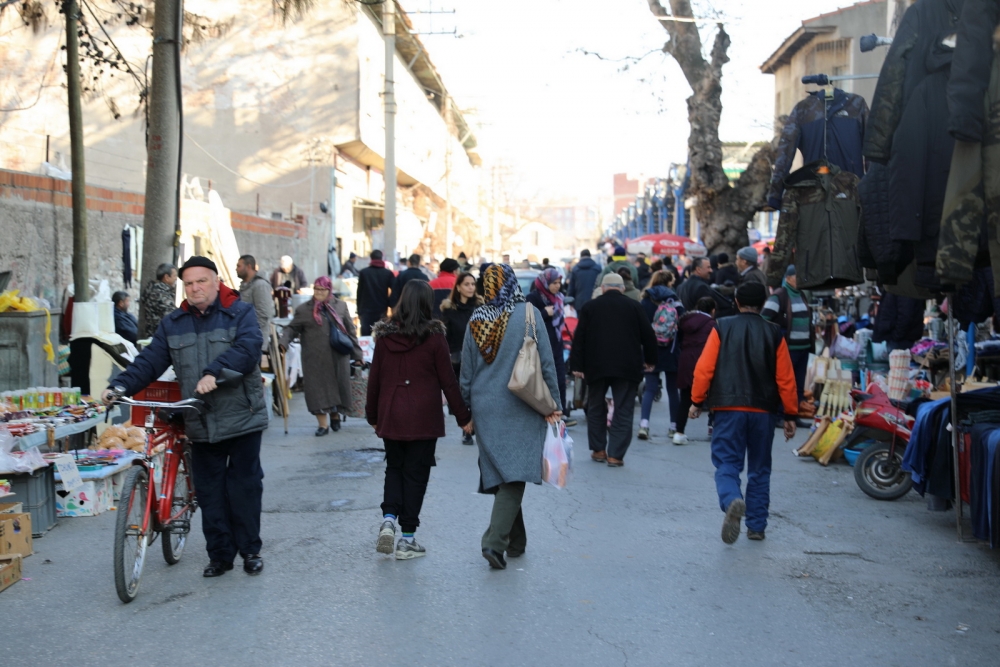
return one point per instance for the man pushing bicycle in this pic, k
(210, 340)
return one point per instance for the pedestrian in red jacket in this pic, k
(410, 369)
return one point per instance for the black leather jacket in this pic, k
(748, 350)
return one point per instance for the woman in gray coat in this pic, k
(510, 434)
(325, 374)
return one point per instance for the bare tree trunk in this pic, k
(78, 187)
(722, 210)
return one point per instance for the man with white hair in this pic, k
(613, 343)
(288, 275)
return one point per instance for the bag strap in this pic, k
(336, 317)
(529, 322)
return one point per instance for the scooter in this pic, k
(884, 424)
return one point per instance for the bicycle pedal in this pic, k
(179, 527)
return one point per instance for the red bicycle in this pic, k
(144, 513)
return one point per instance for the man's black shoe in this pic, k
(217, 568)
(495, 559)
(253, 564)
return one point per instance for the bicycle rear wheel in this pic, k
(175, 535)
(130, 538)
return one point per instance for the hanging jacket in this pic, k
(970, 69)
(876, 249)
(818, 230)
(822, 127)
(900, 320)
(908, 128)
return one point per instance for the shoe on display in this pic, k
(386, 537)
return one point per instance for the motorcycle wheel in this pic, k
(881, 476)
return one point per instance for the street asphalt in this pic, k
(624, 567)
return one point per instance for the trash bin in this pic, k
(23, 362)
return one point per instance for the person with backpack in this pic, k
(664, 309)
(410, 369)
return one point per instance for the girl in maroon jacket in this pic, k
(410, 369)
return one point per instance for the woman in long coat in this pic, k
(509, 433)
(325, 374)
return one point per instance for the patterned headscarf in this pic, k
(542, 282)
(489, 321)
(327, 303)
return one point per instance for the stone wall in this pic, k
(36, 237)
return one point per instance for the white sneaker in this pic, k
(680, 439)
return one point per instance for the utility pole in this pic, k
(160, 221)
(78, 187)
(449, 230)
(389, 31)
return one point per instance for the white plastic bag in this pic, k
(557, 456)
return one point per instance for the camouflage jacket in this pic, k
(818, 230)
(157, 300)
(821, 127)
(972, 199)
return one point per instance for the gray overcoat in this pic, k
(510, 434)
(326, 375)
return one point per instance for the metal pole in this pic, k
(163, 145)
(78, 187)
(954, 418)
(389, 30)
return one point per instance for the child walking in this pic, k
(410, 369)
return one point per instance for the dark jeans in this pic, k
(229, 483)
(800, 364)
(739, 434)
(407, 470)
(683, 408)
(368, 319)
(616, 440)
(649, 393)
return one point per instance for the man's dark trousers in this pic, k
(740, 434)
(800, 364)
(229, 483)
(369, 318)
(616, 440)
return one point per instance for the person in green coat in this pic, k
(619, 260)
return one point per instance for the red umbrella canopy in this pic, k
(666, 244)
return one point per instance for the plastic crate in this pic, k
(164, 392)
(37, 492)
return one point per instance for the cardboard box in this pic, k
(11, 508)
(10, 571)
(91, 499)
(15, 535)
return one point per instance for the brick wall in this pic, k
(36, 238)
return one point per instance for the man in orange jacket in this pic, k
(758, 382)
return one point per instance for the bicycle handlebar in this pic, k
(186, 404)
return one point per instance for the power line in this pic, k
(236, 173)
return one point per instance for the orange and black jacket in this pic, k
(746, 366)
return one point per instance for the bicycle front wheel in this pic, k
(131, 539)
(176, 532)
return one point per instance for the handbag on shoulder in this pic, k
(526, 380)
(339, 340)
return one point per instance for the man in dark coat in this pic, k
(374, 282)
(213, 342)
(413, 272)
(158, 298)
(613, 343)
(126, 325)
(746, 264)
(349, 270)
(583, 279)
(726, 271)
(698, 286)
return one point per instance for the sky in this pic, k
(566, 122)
